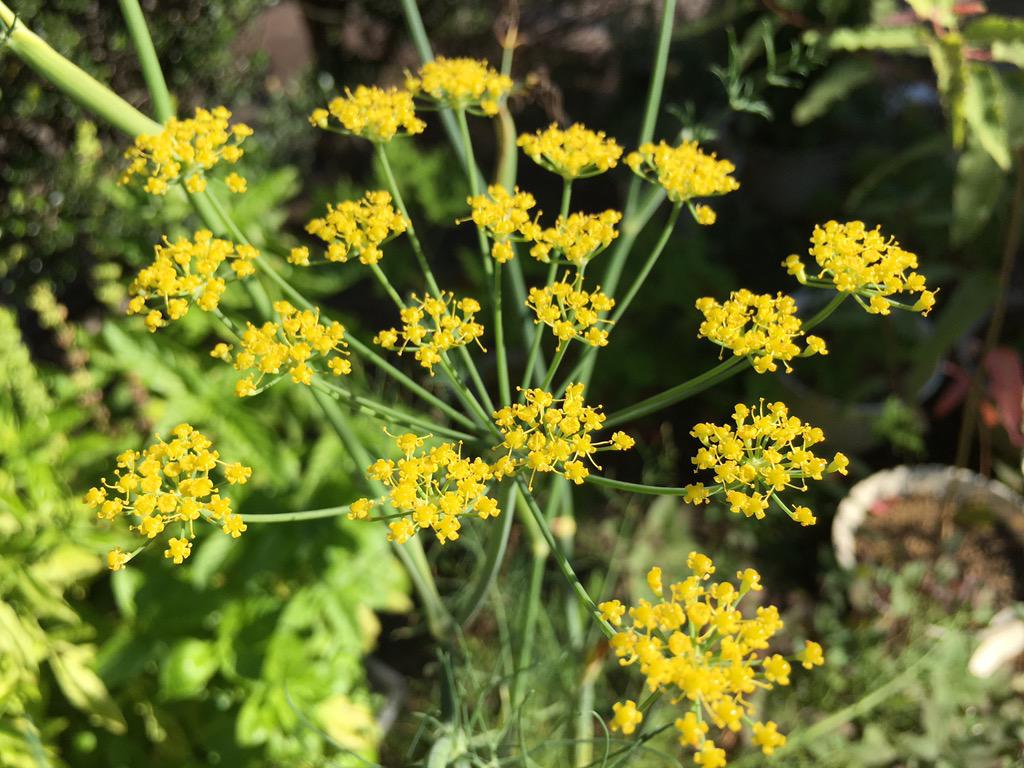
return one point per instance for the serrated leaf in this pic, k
(833, 86)
(977, 189)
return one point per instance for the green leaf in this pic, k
(985, 113)
(977, 189)
(72, 669)
(187, 669)
(909, 39)
(948, 61)
(989, 29)
(833, 86)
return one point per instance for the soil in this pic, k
(987, 549)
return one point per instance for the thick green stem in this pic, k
(675, 394)
(74, 81)
(553, 368)
(148, 61)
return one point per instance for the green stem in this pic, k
(494, 558)
(650, 118)
(417, 247)
(387, 286)
(422, 43)
(463, 393)
(410, 554)
(622, 305)
(563, 563)
(151, 72)
(621, 485)
(538, 330)
(295, 517)
(367, 353)
(825, 311)
(388, 414)
(474, 185)
(504, 389)
(553, 368)
(858, 709)
(72, 80)
(673, 395)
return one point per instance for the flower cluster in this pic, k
(468, 84)
(354, 228)
(573, 153)
(168, 483)
(545, 434)
(571, 313)
(377, 114)
(432, 327)
(694, 644)
(685, 172)
(186, 149)
(760, 327)
(578, 237)
(430, 488)
(767, 452)
(186, 271)
(294, 344)
(504, 217)
(863, 262)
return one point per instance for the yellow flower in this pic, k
(573, 153)
(865, 263)
(767, 737)
(812, 655)
(290, 345)
(684, 172)
(377, 114)
(432, 326)
(236, 183)
(188, 272)
(704, 215)
(168, 484)
(579, 237)
(116, 559)
(627, 717)
(545, 434)
(760, 327)
(187, 149)
(503, 216)
(432, 488)
(694, 645)
(571, 313)
(767, 451)
(355, 228)
(468, 84)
